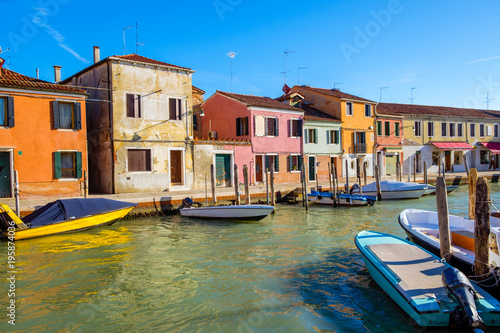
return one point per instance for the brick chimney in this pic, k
(97, 54)
(57, 73)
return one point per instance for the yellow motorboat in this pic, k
(62, 216)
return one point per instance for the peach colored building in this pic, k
(42, 136)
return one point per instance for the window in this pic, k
(295, 128)
(294, 163)
(139, 160)
(133, 106)
(348, 108)
(472, 130)
(488, 130)
(333, 137)
(241, 126)
(481, 130)
(195, 122)
(368, 110)
(485, 156)
(460, 130)
(273, 160)
(418, 130)
(68, 165)
(7, 111)
(379, 128)
(67, 115)
(458, 157)
(272, 127)
(435, 157)
(387, 126)
(396, 129)
(452, 130)
(175, 108)
(311, 135)
(430, 128)
(444, 127)
(495, 130)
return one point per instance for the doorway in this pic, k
(176, 167)
(5, 178)
(447, 160)
(223, 170)
(312, 168)
(259, 167)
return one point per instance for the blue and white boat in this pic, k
(343, 199)
(430, 291)
(392, 189)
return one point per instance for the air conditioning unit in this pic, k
(212, 135)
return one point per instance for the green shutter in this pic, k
(379, 128)
(300, 162)
(290, 162)
(277, 163)
(315, 135)
(57, 165)
(277, 126)
(337, 141)
(10, 112)
(396, 129)
(305, 135)
(328, 136)
(267, 162)
(79, 165)
(78, 116)
(299, 127)
(55, 114)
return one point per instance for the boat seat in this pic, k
(418, 271)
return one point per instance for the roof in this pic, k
(259, 101)
(133, 58)
(428, 110)
(493, 146)
(311, 113)
(453, 145)
(198, 90)
(332, 92)
(13, 79)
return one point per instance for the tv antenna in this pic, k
(380, 99)
(231, 55)
(298, 74)
(124, 44)
(335, 84)
(284, 72)
(412, 98)
(488, 99)
(137, 44)
(3, 51)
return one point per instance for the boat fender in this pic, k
(186, 203)
(459, 288)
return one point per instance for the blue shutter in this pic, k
(78, 116)
(305, 135)
(300, 162)
(315, 135)
(276, 163)
(328, 136)
(265, 126)
(10, 112)
(277, 126)
(79, 165)
(57, 165)
(267, 162)
(55, 113)
(290, 162)
(299, 127)
(337, 141)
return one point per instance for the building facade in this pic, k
(389, 135)
(140, 124)
(42, 136)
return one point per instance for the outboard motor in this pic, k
(459, 288)
(186, 203)
(355, 186)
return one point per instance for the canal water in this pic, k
(291, 272)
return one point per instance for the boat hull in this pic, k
(394, 195)
(325, 198)
(237, 212)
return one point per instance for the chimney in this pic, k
(97, 54)
(37, 74)
(57, 73)
(2, 61)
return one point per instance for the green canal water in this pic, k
(291, 272)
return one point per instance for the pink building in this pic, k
(273, 128)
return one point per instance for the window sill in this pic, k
(68, 179)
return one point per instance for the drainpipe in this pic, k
(110, 115)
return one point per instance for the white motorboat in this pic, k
(236, 212)
(391, 189)
(343, 199)
(431, 189)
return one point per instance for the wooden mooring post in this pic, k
(443, 218)
(364, 175)
(304, 186)
(335, 185)
(426, 180)
(358, 169)
(212, 177)
(466, 166)
(271, 183)
(267, 185)
(85, 184)
(482, 228)
(16, 192)
(347, 176)
(398, 171)
(414, 170)
(247, 189)
(377, 181)
(472, 193)
(236, 186)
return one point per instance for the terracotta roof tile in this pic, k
(13, 79)
(265, 102)
(311, 113)
(332, 92)
(138, 58)
(428, 110)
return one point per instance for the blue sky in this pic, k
(449, 51)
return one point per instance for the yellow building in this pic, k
(447, 136)
(357, 116)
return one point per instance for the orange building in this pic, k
(42, 136)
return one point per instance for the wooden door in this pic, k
(259, 168)
(390, 164)
(447, 160)
(312, 168)
(176, 167)
(5, 181)
(223, 170)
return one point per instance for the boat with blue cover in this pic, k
(430, 291)
(343, 199)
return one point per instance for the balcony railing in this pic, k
(360, 148)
